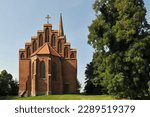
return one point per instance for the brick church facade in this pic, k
(47, 64)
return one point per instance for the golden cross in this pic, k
(47, 17)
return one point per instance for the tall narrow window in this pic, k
(28, 52)
(22, 56)
(50, 67)
(66, 52)
(34, 47)
(72, 55)
(42, 70)
(54, 71)
(53, 41)
(33, 69)
(59, 47)
(40, 40)
(46, 35)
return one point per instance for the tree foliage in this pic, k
(120, 35)
(78, 86)
(90, 86)
(8, 86)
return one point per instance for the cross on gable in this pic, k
(47, 17)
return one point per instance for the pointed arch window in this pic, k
(72, 55)
(54, 71)
(28, 52)
(59, 47)
(66, 52)
(42, 70)
(22, 56)
(53, 41)
(46, 35)
(40, 40)
(34, 46)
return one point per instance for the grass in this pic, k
(61, 97)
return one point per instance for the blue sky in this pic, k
(20, 19)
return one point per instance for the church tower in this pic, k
(48, 64)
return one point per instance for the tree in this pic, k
(7, 85)
(90, 87)
(78, 86)
(121, 39)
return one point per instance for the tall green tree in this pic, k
(121, 39)
(90, 86)
(8, 86)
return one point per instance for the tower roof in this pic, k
(61, 31)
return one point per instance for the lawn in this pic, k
(61, 97)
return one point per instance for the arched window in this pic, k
(42, 69)
(54, 71)
(53, 41)
(72, 55)
(34, 47)
(66, 52)
(46, 35)
(40, 40)
(22, 56)
(28, 52)
(59, 47)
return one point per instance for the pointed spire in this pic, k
(61, 31)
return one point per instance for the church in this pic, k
(48, 64)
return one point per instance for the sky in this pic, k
(20, 19)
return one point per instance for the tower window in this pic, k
(54, 71)
(66, 52)
(53, 41)
(46, 35)
(40, 40)
(72, 55)
(34, 46)
(59, 47)
(42, 70)
(22, 56)
(28, 52)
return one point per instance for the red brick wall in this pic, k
(69, 71)
(24, 75)
(41, 86)
(57, 84)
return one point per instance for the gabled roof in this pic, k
(46, 49)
